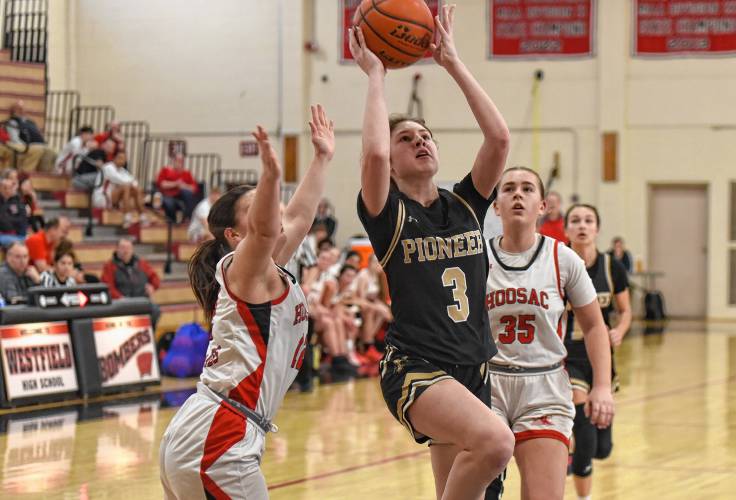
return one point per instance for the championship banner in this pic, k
(37, 359)
(670, 28)
(347, 12)
(541, 29)
(125, 350)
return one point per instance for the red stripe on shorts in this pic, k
(541, 433)
(228, 427)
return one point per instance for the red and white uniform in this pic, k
(525, 298)
(210, 449)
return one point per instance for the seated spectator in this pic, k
(42, 245)
(120, 190)
(16, 275)
(329, 329)
(13, 216)
(26, 142)
(198, 227)
(129, 275)
(30, 199)
(77, 146)
(179, 189)
(111, 140)
(86, 175)
(67, 247)
(618, 251)
(374, 310)
(553, 223)
(63, 271)
(317, 233)
(326, 216)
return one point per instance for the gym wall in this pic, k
(197, 66)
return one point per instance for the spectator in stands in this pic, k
(553, 223)
(198, 228)
(325, 215)
(42, 245)
(618, 251)
(16, 275)
(129, 275)
(374, 310)
(13, 216)
(30, 200)
(28, 142)
(62, 274)
(67, 247)
(119, 189)
(317, 233)
(86, 175)
(111, 140)
(178, 187)
(76, 147)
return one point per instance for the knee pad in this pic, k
(605, 443)
(585, 443)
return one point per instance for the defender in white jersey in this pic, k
(214, 444)
(530, 278)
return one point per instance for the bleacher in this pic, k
(175, 296)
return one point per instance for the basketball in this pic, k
(397, 31)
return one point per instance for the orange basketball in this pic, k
(397, 31)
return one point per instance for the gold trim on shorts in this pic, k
(408, 388)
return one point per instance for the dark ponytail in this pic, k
(203, 264)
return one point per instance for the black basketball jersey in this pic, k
(609, 278)
(436, 264)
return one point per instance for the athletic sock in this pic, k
(584, 498)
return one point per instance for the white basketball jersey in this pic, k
(256, 349)
(526, 302)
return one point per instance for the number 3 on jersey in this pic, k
(525, 332)
(460, 310)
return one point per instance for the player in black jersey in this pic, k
(434, 375)
(609, 278)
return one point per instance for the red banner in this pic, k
(538, 29)
(347, 11)
(684, 27)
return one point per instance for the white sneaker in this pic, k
(127, 220)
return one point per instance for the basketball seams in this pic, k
(397, 18)
(364, 20)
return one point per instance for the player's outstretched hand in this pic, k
(443, 47)
(599, 407)
(366, 59)
(269, 160)
(323, 133)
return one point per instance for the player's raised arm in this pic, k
(252, 270)
(491, 158)
(375, 170)
(300, 211)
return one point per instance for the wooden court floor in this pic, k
(674, 436)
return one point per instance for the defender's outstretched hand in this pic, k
(323, 133)
(269, 159)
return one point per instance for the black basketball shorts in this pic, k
(581, 374)
(404, 377)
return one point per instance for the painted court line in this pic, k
(663, 394)
(348, 469)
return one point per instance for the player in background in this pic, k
(530, 278)
(582, 224)
(214, 444)
(429, 241)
